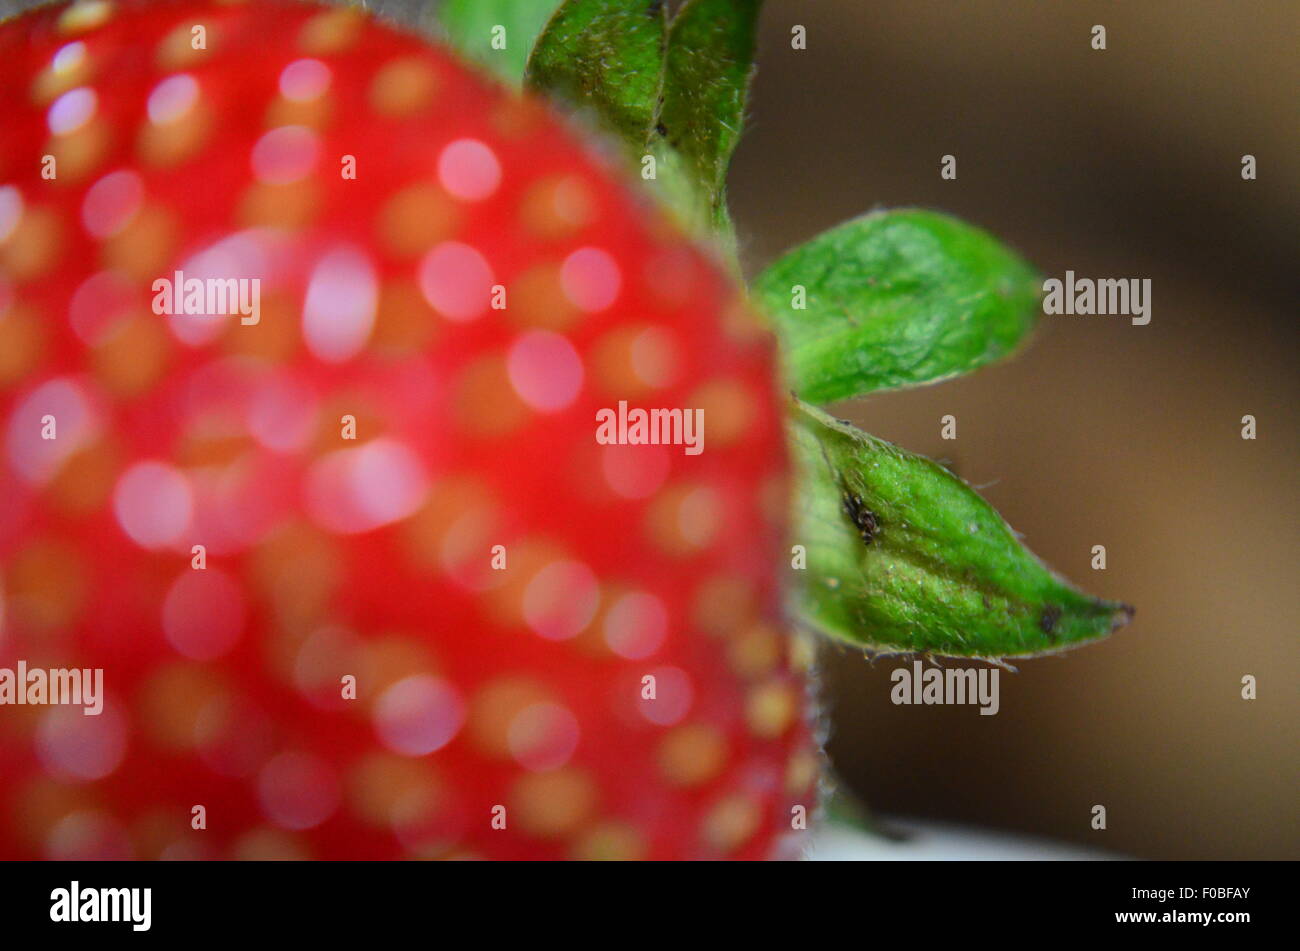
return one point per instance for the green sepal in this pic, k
(896, 299)
(903, 556)
(707, 71)
(605, 56)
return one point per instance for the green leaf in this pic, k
(606, 55)
(941, 572)
(894, 299)
(706, 79)
(469, 25)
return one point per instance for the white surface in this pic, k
(926, 840)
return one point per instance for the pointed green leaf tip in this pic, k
(903, 556)
(606, 55)
(479, 28)
(895, 299)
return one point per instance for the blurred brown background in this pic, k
(1122, 163)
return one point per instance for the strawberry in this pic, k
(361, 580)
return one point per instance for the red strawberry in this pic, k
(482, 693)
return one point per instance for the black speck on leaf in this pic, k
(862, 517)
